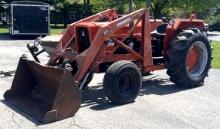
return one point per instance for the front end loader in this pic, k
(125, 48)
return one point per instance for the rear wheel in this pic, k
(122, 82)
(189, 60)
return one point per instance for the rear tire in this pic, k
(122, 82)
(185, 70)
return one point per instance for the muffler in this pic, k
(44, 92)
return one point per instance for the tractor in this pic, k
(125, 48)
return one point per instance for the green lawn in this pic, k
(4, 31)
(55, 31)
(216, 54)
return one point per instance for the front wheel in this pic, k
(189, 60)
(122, 82)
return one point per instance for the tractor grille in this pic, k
(83, 38)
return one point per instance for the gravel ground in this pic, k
(160, 105)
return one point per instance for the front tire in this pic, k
(189, 60)
(122, 82)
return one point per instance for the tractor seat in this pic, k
(160, 31)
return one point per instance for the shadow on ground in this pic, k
(8, 37)
(95, 99)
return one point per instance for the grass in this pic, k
(54, 31)
(4, 31)
(216, 55)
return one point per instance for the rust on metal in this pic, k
(50, 93)
(46, 93)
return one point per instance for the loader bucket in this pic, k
(44, 92)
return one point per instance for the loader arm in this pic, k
(69, 34)
(88, 57)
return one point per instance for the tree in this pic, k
(68, 6)
(158, 8)
(165, 7)
(45, 1)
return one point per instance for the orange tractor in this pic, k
(125, 48)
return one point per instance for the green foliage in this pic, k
(216, 54)
(178, 8)
(183, 7)
(173, 8)
(213, 19)
(61, 4)
(67, 7)
(100, 5)
(56, 31)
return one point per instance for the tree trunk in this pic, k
(88, 1)
(131, 6)
(157, 13)
(65, 17)
(159, 6)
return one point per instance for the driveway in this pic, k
(160, 105)
(214, 36)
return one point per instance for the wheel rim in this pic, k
(126, 83)
(197, 58)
